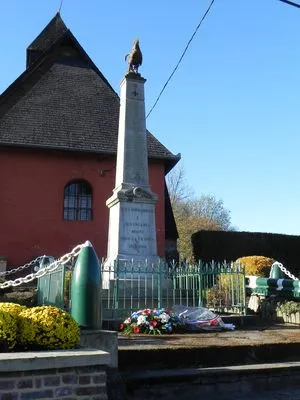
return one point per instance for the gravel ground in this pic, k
(285, 333)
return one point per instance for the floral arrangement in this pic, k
(151, 321)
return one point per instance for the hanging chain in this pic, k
(44, 270)
(30, 264)
(284, 270)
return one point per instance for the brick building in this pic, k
(58, 144)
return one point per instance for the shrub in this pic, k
(48, 327)
(256, 265)
(229, 287)
(8, 326)
(289, 307)
(13, 308)
(68, 277)
(215, 296)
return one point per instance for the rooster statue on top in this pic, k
(134, 58)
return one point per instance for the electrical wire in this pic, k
(181, 58)
(291, 3)
(61, 4)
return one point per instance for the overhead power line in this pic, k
(181, 58)
(291, 3)
(60, 7)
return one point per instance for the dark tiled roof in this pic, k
(50, 34)
(62, 101)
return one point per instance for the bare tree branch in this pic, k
(194, 213)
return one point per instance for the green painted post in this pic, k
(275, 272)
(243, 288)
(200, 283)
(86, 289)
(159, 284)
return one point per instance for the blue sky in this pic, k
(231, 109)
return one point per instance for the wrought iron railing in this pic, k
(132, 286)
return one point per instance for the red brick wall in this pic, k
(31, 202)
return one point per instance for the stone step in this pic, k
(160, 357)
(244, 382)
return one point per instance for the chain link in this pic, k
(44, 270)
(27, 265)
(284, 270)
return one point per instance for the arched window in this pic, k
(78, 199)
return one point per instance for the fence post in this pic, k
(116, 285)
(244, 288)
(200, 276)
(159, 285)
(275, 272)
(86, 307)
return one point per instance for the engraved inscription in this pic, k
(138, 230)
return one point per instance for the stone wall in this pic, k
(72, 374)
(77, 383)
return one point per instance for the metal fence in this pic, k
(130, 286)
(51, 288)
(134, 285)
(219, 286)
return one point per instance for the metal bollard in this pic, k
(86, 289)
(275, 272)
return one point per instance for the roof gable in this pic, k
(53, 31)
(49, 35)
(62, 101)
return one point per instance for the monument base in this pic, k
(132, 232)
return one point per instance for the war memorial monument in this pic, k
(132, 231)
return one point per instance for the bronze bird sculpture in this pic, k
(134, 58)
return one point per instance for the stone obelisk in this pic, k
(132, 232)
